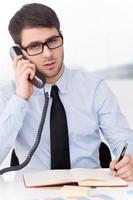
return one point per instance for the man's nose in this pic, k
(46, 51)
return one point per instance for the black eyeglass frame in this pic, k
(44, 44)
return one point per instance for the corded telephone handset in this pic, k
(38, 81)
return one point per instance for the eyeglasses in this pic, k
(51, 43)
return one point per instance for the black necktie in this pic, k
(60, 157)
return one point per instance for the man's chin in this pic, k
(50, 75)
(53, 77)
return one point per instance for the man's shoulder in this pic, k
(84, 76)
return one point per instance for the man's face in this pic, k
(50, 61)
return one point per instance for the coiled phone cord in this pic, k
(37, 141)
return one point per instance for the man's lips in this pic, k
(49, 65)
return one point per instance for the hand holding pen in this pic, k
(121, 156)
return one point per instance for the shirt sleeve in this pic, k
(12, 115)
(112, 122)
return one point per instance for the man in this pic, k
(89, 104)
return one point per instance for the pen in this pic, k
(121, 155)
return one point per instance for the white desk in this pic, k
(12, 188)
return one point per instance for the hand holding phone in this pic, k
(39, 79)
(13, 51)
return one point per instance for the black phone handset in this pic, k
(39, 132)
(39, 79)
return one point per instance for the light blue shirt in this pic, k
(90, 108)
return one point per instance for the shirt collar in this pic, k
(62, 82)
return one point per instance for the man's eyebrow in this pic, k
(38, 42)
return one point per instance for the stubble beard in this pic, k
(56, 72)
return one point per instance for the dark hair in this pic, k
(32, 15)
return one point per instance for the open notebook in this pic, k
(79, 176)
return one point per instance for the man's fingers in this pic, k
(112, 164)
(15, 61)
(124, 168)
(126, 159)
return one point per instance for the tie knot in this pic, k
(54, 91)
